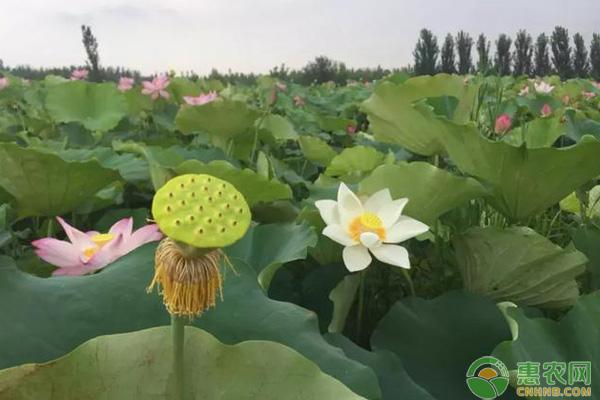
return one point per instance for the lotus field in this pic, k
(179, 239)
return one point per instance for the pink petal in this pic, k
(106, 255)
(58, 252)
(165, 94)
(122, 227)
(148, 85)
(75, 271)
(78, 238)
(140, 237)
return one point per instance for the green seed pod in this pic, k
(201, 211)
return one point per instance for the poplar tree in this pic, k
(522, 54)
(464, 44)
(581, 64)
(542, 57)
(426, 53)
(448, 63)
(502, 59)
(483, 52)
(561, 52)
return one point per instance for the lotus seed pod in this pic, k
(201, 211)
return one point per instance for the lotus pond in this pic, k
(179, 239)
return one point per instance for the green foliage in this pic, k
(502, 58)
(522, 55)
(91, 50)
(354, 163)
(595, 56)
(426, 54)
(448, 62)
(561, 52)
(518, 265)
(316, 150)
(581, 67)
(483, 52)
(541, 56)
(137, 365)
(98, 107)
(464, 44)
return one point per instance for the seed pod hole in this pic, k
(183, 202)
(177, 222)
(222, 230)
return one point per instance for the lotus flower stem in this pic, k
(178, 334)
(361, 304)
(411, 286)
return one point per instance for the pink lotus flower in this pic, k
(281, 86)
(596, 85)
(157, 87)
(298, 101)
(543, 87)
(566, 99)
(90, 251)
(201, 99)
(546, 110)
(79, 74)
(524, 91)
(125, 83)
(351, 129)
(588, 95)
(503, 124)
(4, 83)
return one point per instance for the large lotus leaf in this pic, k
(438, 339)
(431, 191)
(266, 247)
(278, 128)
(223, 118)
(524, 181)
(316, 150)
(97, 106)
(541, 132)
(253, 186)
(573, 338)
(394, 381)
(518, 265)
(43, 319)
(353, 163)
(393, 118)
(587, 240)
(138, 366)
(44, 184)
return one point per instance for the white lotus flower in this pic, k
(369, 227)
(543, 87)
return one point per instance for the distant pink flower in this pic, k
(201, 99)
(125, 83)
(546, 110)
(596, 85)
(281, 86)
(4, 83)
(566, 99)
(503, 124)
(588, 95)
(351, 129)
(298, 101)
(79, 74)
(524, 91)
(157, 87)
(90, 251)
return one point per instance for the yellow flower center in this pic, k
(366, 222)
(99, 239)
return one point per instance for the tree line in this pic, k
(546, 55)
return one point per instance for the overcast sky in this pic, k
(255, 35)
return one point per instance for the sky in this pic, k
(256, 35)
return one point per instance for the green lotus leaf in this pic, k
(353, 163)
(254, 187)
(395, 382)
(573, 338)
(431, 191)
(518, 265)
(393, 119)
(316, 150)
(524, 182)
(97, 106)
(278, 128)
(138, 366)
(541, 132)
(587, 240)
(438, 339)
(43, 184)
(55, 315)
(223, 118)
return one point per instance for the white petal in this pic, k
(378, 200)
(391, 211)
(392, 254)
(338, 234)
(349, 206)
(328, 211)
(356, 258)
(369, 239)
(404, 229)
